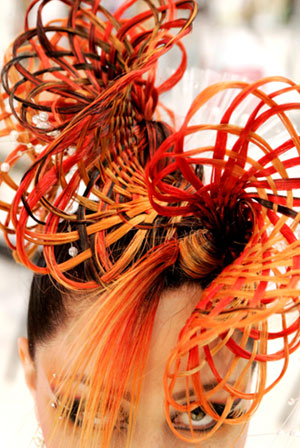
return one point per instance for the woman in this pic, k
(154, 287)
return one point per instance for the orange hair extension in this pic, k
(105, 172)
(112, 355)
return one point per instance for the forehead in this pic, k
(174, 308)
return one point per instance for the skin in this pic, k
(152, 430)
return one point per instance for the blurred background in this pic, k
(248, 38)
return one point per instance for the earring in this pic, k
(53, 404)
(38, 439)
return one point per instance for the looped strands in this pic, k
(83, 98)
(112, 181)
(251, 214)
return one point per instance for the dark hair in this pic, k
(49, 308)
(48, 305)
(212, 247)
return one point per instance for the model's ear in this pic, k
(28, 365)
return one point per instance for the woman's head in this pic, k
(136, 237)
(63, 392)
(127, 328)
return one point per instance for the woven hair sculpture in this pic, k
(114, 180)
